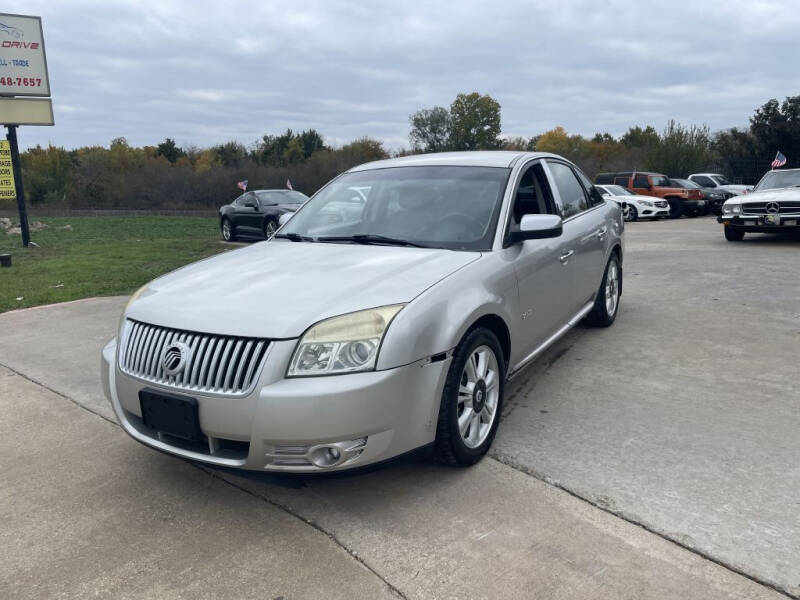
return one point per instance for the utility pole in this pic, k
(23, 212)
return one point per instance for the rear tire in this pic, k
(733, 235)
(476, 380)
(606, 303)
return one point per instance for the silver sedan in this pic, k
(341, 343)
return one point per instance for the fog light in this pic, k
(326, 456)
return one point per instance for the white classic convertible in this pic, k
(772, 207)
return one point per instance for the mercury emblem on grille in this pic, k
(174, 358)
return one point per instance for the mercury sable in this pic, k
(351, 337)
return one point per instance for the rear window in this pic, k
(621, 181)
(604, 178)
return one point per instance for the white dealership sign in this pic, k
(23, 66)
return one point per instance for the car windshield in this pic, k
(660, 181)
(778, 179)
(618, 190)
(444, 207)
(281, 197)
(721, 180)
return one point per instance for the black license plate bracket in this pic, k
(178, 416)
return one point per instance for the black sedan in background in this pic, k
(715, 197)
(255, 214)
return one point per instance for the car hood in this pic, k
(737, 188)
(277, 289)
(779, 195)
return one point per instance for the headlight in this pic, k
(645, 203)
(345, 344)
(731, 208)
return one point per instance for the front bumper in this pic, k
(757, 224)
(279, 425)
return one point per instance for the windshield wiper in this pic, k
(294, 237)
(370, 238)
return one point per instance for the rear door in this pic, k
(584, 225)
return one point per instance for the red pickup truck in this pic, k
(681, 200)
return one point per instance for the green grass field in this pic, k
(101, 256)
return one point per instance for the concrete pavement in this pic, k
(584, 417)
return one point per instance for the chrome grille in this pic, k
(661, 204)
(216, 363)
(790, 207)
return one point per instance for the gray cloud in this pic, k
(203, 73)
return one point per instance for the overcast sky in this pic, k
(204, 73)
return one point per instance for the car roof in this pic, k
(706, 174)
(278, 190)
(480, 158)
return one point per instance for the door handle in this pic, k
(564, 258)
(601, 233)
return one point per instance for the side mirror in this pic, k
(283, 218)
(250, 204)
(536, 227)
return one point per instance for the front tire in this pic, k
(733, 235)
(472, 400)
(675, 208)
(606, 303)
(630, 213)
(270, 227)
(226, 228)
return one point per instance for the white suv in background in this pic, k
(715, 180)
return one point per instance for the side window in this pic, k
(239, 201)
(641, 181)
(622, 181)
(704, 181)
(595, 194)
(533, 196)
(573, 196)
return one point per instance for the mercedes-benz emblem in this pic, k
(174, 358)
(773, 208)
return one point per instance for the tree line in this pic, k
(168, 176)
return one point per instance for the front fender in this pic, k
(436, 320)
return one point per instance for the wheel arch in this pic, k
(497, 325)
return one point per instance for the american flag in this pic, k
(779, 161)
(242, 185)
(289, 185)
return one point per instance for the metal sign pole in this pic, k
(23, 213)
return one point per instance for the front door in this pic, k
(545, 268)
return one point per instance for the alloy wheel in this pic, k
(612, 288)
(270, 227)
(478, 395)
(226, 231)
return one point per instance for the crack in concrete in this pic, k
(503, 459)
(608, 508)
(352, 553)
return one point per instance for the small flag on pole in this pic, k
(288, 184)
(779, 161)
(242, 185)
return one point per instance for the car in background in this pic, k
(719, 182)
(336, 345)
(256, 214)
(644, 183)
(633, 206)
(772, 207)
(714, 197)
